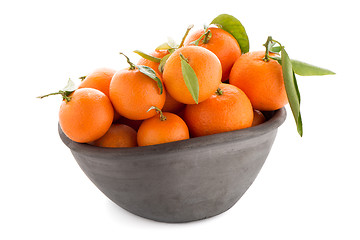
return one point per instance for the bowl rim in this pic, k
(271, 124)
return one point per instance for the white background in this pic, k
(308, 187)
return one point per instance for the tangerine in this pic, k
(206, 66)
(99, 79)
(133, 93)
(167, 127)
(226, 110)
(221, 43)
(118, 136)
(86, 116)
(262, 81)
(135, 124)
(259, 118)
(171, 105)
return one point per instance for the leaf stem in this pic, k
(274, 41)
(132, 66)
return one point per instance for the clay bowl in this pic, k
(180, 181)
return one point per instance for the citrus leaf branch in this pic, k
(65, 92)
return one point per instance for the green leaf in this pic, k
(278, 59)
(292, 89)
(164, 46)
(305, 69)
(170, 45)
(296, 87)
(190, 78)
(233, 26)
(275, 49)
(70, 86)
(299, 121)
(148, 71)
(147, 56)
(163, 61)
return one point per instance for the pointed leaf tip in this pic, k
(306, 69)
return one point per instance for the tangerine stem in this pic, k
(267, 48)
(64, 95)
(196, 42)
(207, 36)
(270, 42)
(219, 92)
(132, 66)
(158, 110)
(46, 95)
(186, 33)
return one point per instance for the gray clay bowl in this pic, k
(180, 181)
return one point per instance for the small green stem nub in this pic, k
(219, 92)
(82, 78)
(132, 66)
(182, 56)
(158, 110)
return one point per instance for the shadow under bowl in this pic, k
(180, 181)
